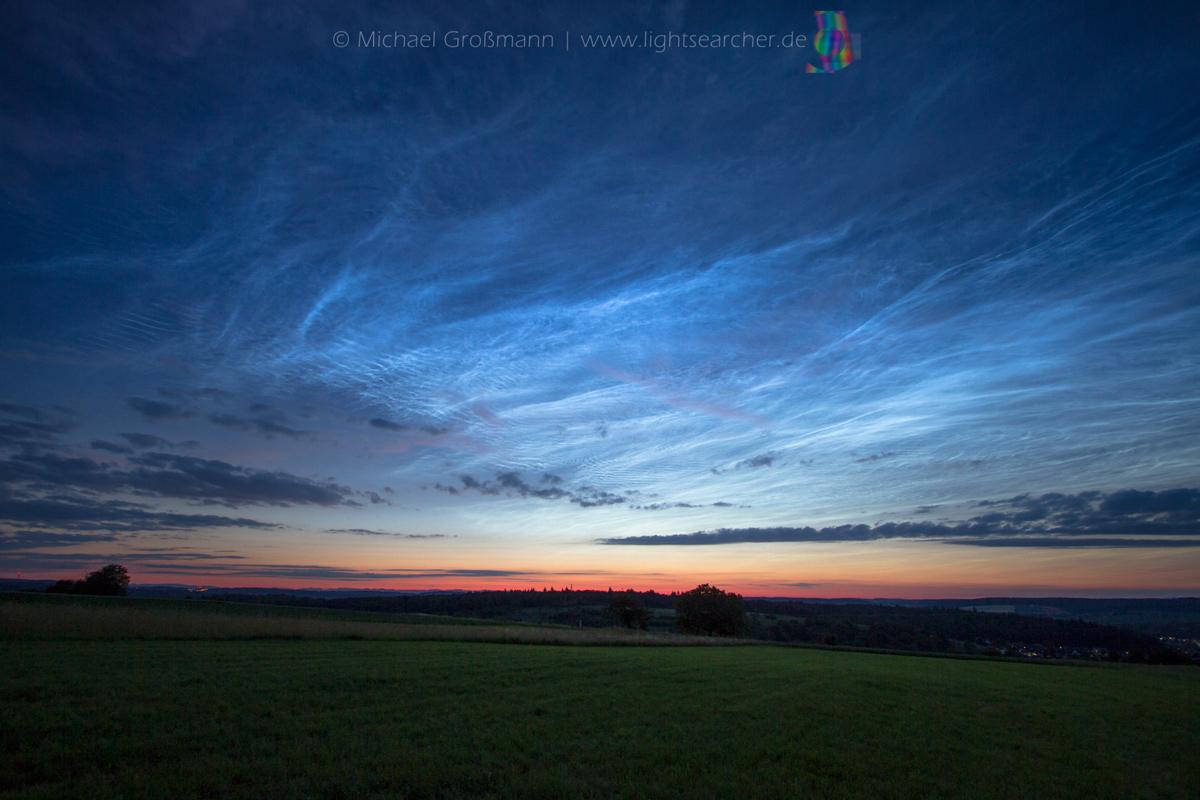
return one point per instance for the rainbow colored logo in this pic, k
(835, 44)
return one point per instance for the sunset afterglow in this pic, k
(281, 309)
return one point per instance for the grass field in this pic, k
(65, 617)
(339, 717)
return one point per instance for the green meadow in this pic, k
(325, 707)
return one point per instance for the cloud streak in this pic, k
(157, 410)
(1090, 520)
(511, 484)
(166, 475)
(367, 532)
(86, 513)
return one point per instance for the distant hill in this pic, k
(999, 629)
(1176, 616)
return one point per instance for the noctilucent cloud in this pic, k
(521, 295)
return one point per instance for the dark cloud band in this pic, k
(1119, 520)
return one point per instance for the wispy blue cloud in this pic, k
(707, 278)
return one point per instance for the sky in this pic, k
(293, 296)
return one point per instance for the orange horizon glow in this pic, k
(880, 569)
(847, 589)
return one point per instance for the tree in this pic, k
(112, 581)
(710, 611)
(629, 610)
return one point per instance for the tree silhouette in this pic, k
(710, 611)
(629, 610)
(112, 581)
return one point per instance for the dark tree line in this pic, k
(111, 581)
(705, 610)
(851, 625)
(480, 605)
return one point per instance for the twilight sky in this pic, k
(277, 311)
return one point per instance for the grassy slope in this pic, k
(66, 617)
(451, 719)
(230, 609)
